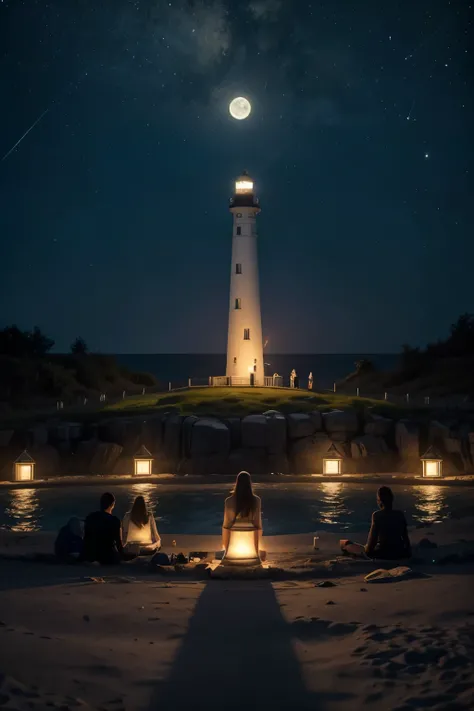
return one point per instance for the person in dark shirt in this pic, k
(69, 542)
(103, 534)
(388, 536)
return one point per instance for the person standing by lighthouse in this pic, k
(244, 340)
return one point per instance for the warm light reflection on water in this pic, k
(333, 506)
(24, 510)
(429, 502)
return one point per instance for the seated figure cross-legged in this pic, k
(388, 536)
(242, 527)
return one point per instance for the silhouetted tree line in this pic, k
(459, 343)
(28, 368)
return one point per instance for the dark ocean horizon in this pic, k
(326, 368)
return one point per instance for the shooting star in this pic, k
(24, 135)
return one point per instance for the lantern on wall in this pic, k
(432, 463)
(24, 467)
(243, 546)
(332, 462)
(143, 462)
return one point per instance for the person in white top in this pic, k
(242, 507)
(139, 532)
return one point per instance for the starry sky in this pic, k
(113, 208)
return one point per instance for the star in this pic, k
(427, 155)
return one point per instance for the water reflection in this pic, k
(22, 512)
(429, 502)
(333, 509)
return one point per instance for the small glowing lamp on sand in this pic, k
(332, 462)
(432, 463)
(24, 467)
(143, 462)
(242, 549)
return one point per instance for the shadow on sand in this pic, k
(238, 653)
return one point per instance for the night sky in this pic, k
(113, 208)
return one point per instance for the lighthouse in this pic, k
(244, 341)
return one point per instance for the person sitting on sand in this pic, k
(69, 542)
(242, 508)
(103, 534)
(140, 534)
(388, 536)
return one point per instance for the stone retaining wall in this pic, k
(265, 443)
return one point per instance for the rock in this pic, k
(188, 424)
(5, 437)
(212, 464)
(325, 584)
(407, 438)
(317, 419)
(341, 425)
(125, 432)
(300, 425)
(172, 438)
(48, 461)
(368, 445)
(251, 459)
(276, 432)
(37, 436)
(65, 432)
(209, 436)
(94, 457)
(104, 457)
(235, 428)
(378, 426)
(278, 464)
(307, 453)
(330, 602)
(254, 431)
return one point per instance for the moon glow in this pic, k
(240, 108)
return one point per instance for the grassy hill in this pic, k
(241, 401)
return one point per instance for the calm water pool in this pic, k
(287, 508)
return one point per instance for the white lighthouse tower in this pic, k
(244, 341)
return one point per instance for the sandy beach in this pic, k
(131, 638)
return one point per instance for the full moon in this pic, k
(240, 108)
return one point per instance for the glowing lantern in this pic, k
(242, 549)
(24, 467)
(143, 462)
(432, 463)
(332, 462)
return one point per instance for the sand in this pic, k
(128, 638)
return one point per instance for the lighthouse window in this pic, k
(238, 269)
(238, 304)
(235, 360)
(246, 334)
(238, 230)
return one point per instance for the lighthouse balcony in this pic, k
(248, 200)
(229, 381)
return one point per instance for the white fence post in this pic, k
(169, 386)
(358, 392)
(189, 382)
(123, 395)
(386, 396)
(427, 400)
(408, 397)
(334, 388)
(143, 391)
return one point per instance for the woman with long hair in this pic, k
(140, 534)
(242, 507)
